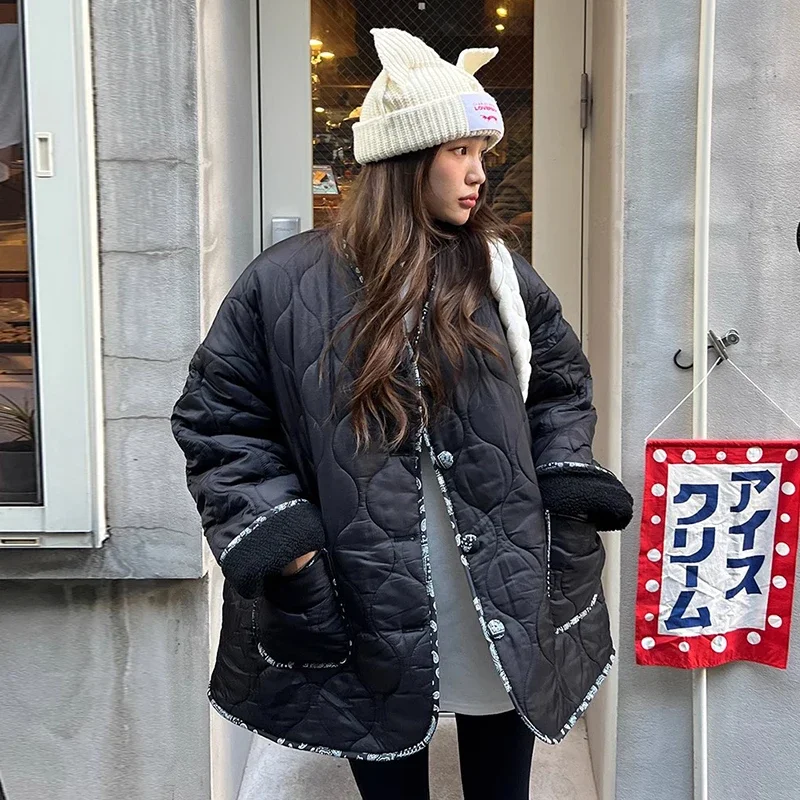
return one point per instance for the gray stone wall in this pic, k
(104, 690)
(754, 742)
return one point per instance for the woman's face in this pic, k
(455, 179)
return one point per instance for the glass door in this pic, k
(317, 61)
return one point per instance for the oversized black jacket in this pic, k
(341, 657)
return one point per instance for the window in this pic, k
(50, 476)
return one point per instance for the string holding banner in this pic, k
(688, 397)
(694, 389)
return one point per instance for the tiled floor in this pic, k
(273, 772)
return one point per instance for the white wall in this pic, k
(755, 286)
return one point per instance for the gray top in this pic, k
(468, 680)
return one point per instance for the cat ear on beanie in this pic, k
(399, 52)
(474, 58)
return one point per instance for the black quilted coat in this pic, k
(341, 657)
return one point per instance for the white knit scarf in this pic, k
(505, 288)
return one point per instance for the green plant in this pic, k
(17, 420)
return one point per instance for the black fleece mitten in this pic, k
(271, 544)
(586, 491)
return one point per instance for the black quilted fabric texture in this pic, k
(256, 427)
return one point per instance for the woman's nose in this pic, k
(476, 175)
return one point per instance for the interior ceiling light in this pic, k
(502, 12)
(500, 27)
(327, 55)
(319, 110)
(316, 42)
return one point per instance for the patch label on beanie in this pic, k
(482, 112)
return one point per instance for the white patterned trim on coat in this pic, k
(578, 617)
(555, 466)
(549, 537)
(325, 751)
(257, 521)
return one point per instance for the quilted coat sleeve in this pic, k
(559, 404)
(562, 417)
(238, 466)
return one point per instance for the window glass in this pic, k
(19, 471)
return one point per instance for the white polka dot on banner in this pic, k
(648, 642)
(658, 490)
(718, 644)
(652, 586)
(779, 582)
(774, 620)
(786, 518)
(660, 456)
(788, 488)
(754, 637)
(754, 454)
(649, 617)
(791, 455)
(655, 519)
(782, 549)
(654, 555)
(684, 647)
(689, 456)
(722, 455)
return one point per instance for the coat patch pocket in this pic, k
(298, 619)
(575, 564)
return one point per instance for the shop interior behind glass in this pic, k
(19, 481)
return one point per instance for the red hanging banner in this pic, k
(718, 551)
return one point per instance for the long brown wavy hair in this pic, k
(385, 229)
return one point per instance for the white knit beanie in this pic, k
(419, 100)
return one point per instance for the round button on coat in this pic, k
(445, 459)
(496, 628)
(469, 543)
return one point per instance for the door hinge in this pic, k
(586, 101)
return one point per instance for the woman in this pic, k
(388, 435)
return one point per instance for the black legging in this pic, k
(494, 754)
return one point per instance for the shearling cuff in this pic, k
(587, 491)
(269, 543)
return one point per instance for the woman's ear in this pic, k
(473, 59)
